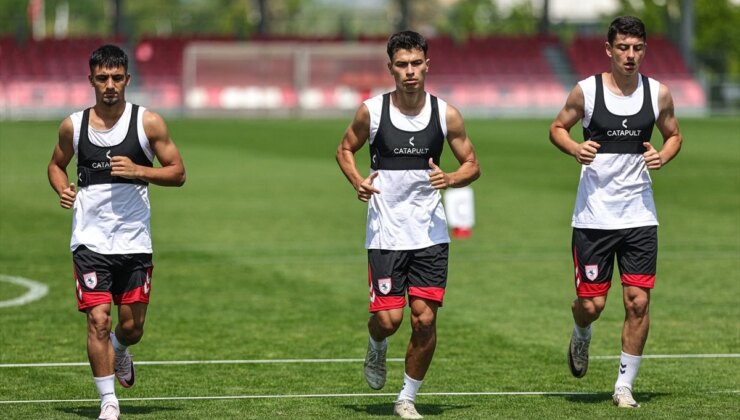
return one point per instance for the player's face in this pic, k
(626, 53)
(110, 84)
(409, 69)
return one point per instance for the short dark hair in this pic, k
(108, 56)
(626, 25)
(406, 40)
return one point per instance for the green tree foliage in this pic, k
(189, 17)
(717, 41)
(483, 17)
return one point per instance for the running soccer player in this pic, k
(407, 238)
(614, 212)
(115, 142)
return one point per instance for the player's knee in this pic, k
(131, 332)
(637, 307)
(589, 308)
(388, 325)
(423, 323)
(98, 323)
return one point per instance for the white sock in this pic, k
(410, 388)
(582, 332)
(378, 345)
(118, 347)
(106, 389)
(628, 367)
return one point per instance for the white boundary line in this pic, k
(362, 395)
(288, 361)
(677, 356)
(200, 362)
(291, 396)
(36, 290)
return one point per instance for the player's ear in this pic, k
(90, 79)
(608, 49)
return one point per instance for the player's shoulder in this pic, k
(588, 84)
(374, 101)
(150, 118)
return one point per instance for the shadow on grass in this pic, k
(93, 410)
(600, 398)
(386, 409)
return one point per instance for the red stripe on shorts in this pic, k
(140, 294)
(384, 303)
(592, 289)
(640, 280)
(435, 294)
(91, 299)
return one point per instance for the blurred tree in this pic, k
(468, 18)
(190, 17)
(483, 17)
(717, 43)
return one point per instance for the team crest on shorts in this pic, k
(90, 279)
(384, 285)
(592, 271)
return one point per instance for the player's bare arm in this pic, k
(462, 148)
(172, 171)
(668, 126)
(354, 138)
(572, 112)
(57, 170)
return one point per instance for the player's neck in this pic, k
(106, 116)
(623, 85)
(409, 103)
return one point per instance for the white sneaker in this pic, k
(124, 368)
(623, 398)
(406, 409)
(578, 355)
(109, 411)
(375, 365)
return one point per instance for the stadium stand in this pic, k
(495, 75)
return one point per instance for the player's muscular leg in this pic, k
(99, 349)
(383, 324)
(423, 337)
(587, 309)
(636, 319)
(130, 326)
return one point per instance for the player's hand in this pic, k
(366, 189)
(586, 152)
(67, 198)
(123, 166)
(437, 177)
(652, 158)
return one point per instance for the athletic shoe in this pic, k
(623, 398)
(125, 369)
(375, 365)
(578, 355)
(109, 411)
(406, 409)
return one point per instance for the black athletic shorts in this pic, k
(124, 278)
(393, 274)
(594, 250)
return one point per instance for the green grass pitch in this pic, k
(260, 257)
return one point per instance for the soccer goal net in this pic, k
(281, 79)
